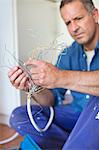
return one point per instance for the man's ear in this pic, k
(96, 15)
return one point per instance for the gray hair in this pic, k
(88, 4)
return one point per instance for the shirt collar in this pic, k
(97, 46)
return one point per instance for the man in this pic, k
(77, 70)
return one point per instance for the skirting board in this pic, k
(4, 119)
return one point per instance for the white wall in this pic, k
(9, 97)
(37, 24)
(96, 2)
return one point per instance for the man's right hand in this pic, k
(18, 78)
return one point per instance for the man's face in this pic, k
(81, 25)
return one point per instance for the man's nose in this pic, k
(74, 26)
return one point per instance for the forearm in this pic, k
(45, 97)
(85, 82)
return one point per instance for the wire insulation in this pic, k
(9, 139)
(32, 119)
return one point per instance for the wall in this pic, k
(9, 96)
(96, 2)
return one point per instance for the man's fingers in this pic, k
(12, 71)
(15, 75)
(20, 79)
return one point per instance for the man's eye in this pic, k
(67, 23)
(79, 18)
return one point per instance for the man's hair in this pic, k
(88, 4)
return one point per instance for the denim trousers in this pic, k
(56, 135)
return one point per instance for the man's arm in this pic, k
(84, 82)
(48, 76)
(44, 97)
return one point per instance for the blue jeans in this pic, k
(55, 137)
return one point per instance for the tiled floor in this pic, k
(6, 132)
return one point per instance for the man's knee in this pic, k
(15, 116)
(12, 118)
(20, 115)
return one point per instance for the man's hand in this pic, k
(43, 73)
(18, 78)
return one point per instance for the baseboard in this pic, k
(4, 119)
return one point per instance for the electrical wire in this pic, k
(32, 119)
(9, 139)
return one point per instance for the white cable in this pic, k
(9, 139)
(32, 119)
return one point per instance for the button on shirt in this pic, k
(74, 58)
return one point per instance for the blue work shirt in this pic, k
(74, 58)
